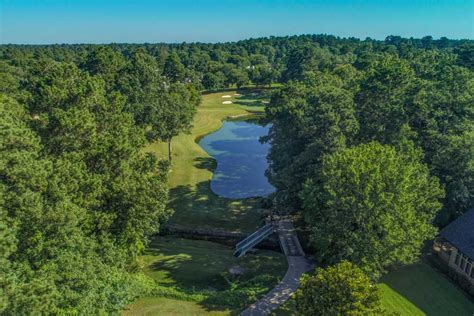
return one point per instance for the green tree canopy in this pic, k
(308, 120)
(173, 69)
(105, 62)
(79, 194)
(382, 102)
(342, 289)
(375, 207)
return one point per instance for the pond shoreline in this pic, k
(241, 159)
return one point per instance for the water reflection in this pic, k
(241, 159)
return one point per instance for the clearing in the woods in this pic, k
(191, 198)
(194, 275)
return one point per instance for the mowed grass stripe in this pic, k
(420, 290)
(155, 306)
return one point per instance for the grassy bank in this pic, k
(192, 276)
(153, 306)
(191, 198)
(195, 274)
(420, 290)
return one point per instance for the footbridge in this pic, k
(251, 241)
(297, 265)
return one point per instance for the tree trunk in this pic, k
(169, 150)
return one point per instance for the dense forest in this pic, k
(372, 144)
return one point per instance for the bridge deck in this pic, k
(297, 265)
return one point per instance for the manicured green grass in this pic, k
(191, 198)
(154, 306)
(196, 266)
(418, 290)
(414, 290)
(201, 264)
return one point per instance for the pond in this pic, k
(241, 159)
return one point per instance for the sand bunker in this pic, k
(227, 102)
(227, 96)
(237, 94)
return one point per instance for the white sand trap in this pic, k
(237, 94)
(227, 96)
(265, 102)
(227, 102)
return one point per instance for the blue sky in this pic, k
(105, 21)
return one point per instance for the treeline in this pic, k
(78, 196)
(374, 151)
(374, 148)
(260, 61)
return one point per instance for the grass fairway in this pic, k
(191, 198)
(196, 265)
(154, 306)
(420, 290)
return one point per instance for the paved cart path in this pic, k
(297, 265)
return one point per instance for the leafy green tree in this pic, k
(81, 194)
(375, 206)
(466, 55)
(8, 244)
(107, 63)
(141, 82)
(308, 121)
(454, 165)
(173, 69)
(443, 118)
(10, 78)
(172, 113)
(235, 76)
(212, 81)
(263, 75)
(304, 59)
(385, 92)
(342, 289)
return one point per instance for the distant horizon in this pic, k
(233, 41)
(51, 22)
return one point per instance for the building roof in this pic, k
(460, 233)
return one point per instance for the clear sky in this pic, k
(138, 21)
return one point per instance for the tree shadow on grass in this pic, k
(251, 103)
(190, 271)
(254, 95)
(252, 98)
(199, 207)
(192, 266)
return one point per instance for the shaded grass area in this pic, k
(197, 273)
(191, 198)
(419, 289)
(254, 98)
(203, 265)
(154, 306)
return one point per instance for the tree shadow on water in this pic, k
(207, 163)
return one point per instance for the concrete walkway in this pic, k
(297, 265)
